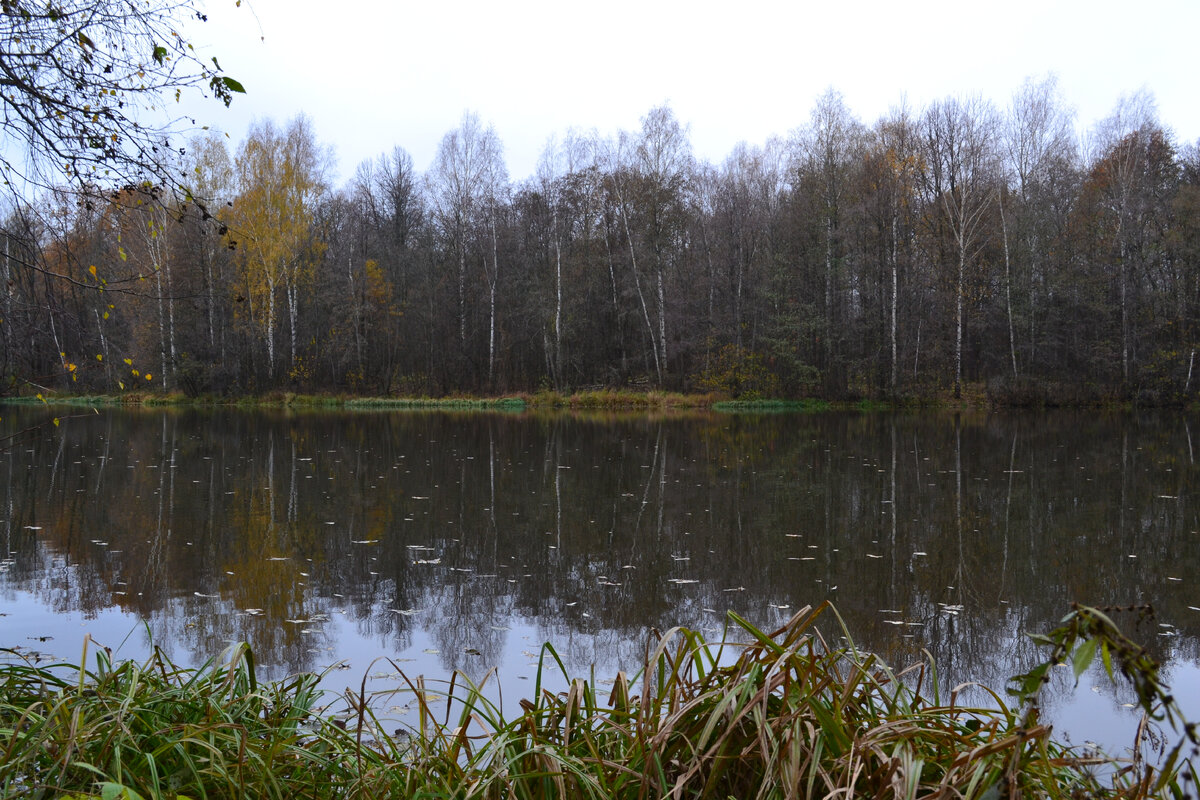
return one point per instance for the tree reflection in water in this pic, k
(480, 536)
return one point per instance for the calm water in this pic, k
(448, 541)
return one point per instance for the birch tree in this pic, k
(212, 179)
(280, 176)
(466, 183)
(1131, 161)
(959, 175)
(893, 167)
(830, 150)
(1038, 147)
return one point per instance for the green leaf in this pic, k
(1106, 656)
(1083, 656)
(115, 791)
(160, 53)
(233, 85)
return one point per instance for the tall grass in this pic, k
(778, 715)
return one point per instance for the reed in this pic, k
(778, 714)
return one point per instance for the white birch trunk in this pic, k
(270, 325)
(895, 287)
(1012, 341)
(558, 302)
(637, 283)
(162, 331)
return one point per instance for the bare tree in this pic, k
(890, 181)
(468, 183)
(559, 167)
(1123, 169)
(1038, 139)
(960, 171)
(829, 150)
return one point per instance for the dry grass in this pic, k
(780, 715)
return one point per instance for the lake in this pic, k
(446, 541)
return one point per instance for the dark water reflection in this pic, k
(324, 536)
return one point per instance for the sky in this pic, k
(376, 74)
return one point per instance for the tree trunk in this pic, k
(958, 321)
(662, 324)
(162, 331)
(558, 381)
(291, 292)
(895, 287)
(493, 278)
(270, 331)
(1012, 341)
(637, 282)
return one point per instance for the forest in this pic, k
(957, 250)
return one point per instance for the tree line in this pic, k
(959, 247)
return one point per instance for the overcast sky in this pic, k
(372, 75)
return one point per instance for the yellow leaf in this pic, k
(92, 269)
(39, 397)
(56, 422)
(148, 376)
(99, 357)
(129, 362)
(121, 384)
(133, 372)
(106, 315)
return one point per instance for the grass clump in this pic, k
(770, 406)
(512, 404)
(779, 715)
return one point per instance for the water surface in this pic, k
(449, 541)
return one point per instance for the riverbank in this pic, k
(783, 714)
(998, 395)
(600, 400)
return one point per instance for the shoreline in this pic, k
(597, 400)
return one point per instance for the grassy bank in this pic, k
(783, 715)
(596, 400)
(1027, 394)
